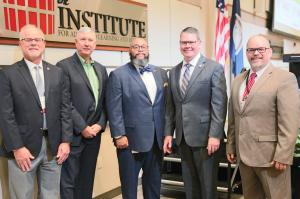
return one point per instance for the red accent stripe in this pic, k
(22, 18)
(32, 3)
(50, 23)
(43, 23)
(43, 4)
(11, 1)
(12, 20)
(50, 5)
(6, 19)
(21, 2)
(32, 18)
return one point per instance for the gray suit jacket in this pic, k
(20, 111)
(84, 112)
(201, 113)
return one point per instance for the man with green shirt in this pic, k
(86, 80)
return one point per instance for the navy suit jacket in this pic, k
(20, 111)
(130, 110)
(84, 110)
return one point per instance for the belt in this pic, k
(44, 132)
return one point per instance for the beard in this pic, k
(139, 62)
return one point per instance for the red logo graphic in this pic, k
(18, 13)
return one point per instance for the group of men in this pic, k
(51, 119)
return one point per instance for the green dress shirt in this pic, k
(92, 76)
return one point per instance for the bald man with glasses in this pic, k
(263, 121)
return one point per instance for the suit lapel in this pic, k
(159, 83)
(23, 69)
(47, 78)
(200, 66)
(78, 66)
(257, 85)
(177, 80)
(236, 91)
(99, 75)
(136, 76)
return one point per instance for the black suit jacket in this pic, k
(20, 111)
(84, 112)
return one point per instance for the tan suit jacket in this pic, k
(265, 129)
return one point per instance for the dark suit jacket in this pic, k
(20, 111)
(84, 112)
(130, 110)
(201, 112)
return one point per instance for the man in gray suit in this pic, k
(35, 120)
(86, 80)
(198, 112)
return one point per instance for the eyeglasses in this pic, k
(137, 47)
(29, 40)
(184, 43)
(261, 50)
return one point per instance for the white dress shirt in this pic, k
(150, 84)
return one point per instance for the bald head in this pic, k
(259, 52)
(30, 29)
(261, 39)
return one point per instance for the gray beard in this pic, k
(139, 62)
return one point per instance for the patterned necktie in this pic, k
(249, 85)
(185, 79)
(145, 69)
(40, 87)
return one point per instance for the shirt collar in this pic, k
(260, 72)
(194, 61)
(83, 61)
(31, 65)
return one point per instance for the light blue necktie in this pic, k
(40, 87)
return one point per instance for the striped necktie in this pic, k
(185, 79)
(249, 85)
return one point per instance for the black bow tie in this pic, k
(145, 69)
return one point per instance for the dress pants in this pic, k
(265, 182)
(131, 163)
(21, 184)
(78, 171)
(199, 171)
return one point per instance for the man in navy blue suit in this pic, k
(136, 110)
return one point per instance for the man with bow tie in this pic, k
(136, 101)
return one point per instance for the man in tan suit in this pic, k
(263, 120)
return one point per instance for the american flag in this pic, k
(222, 35)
